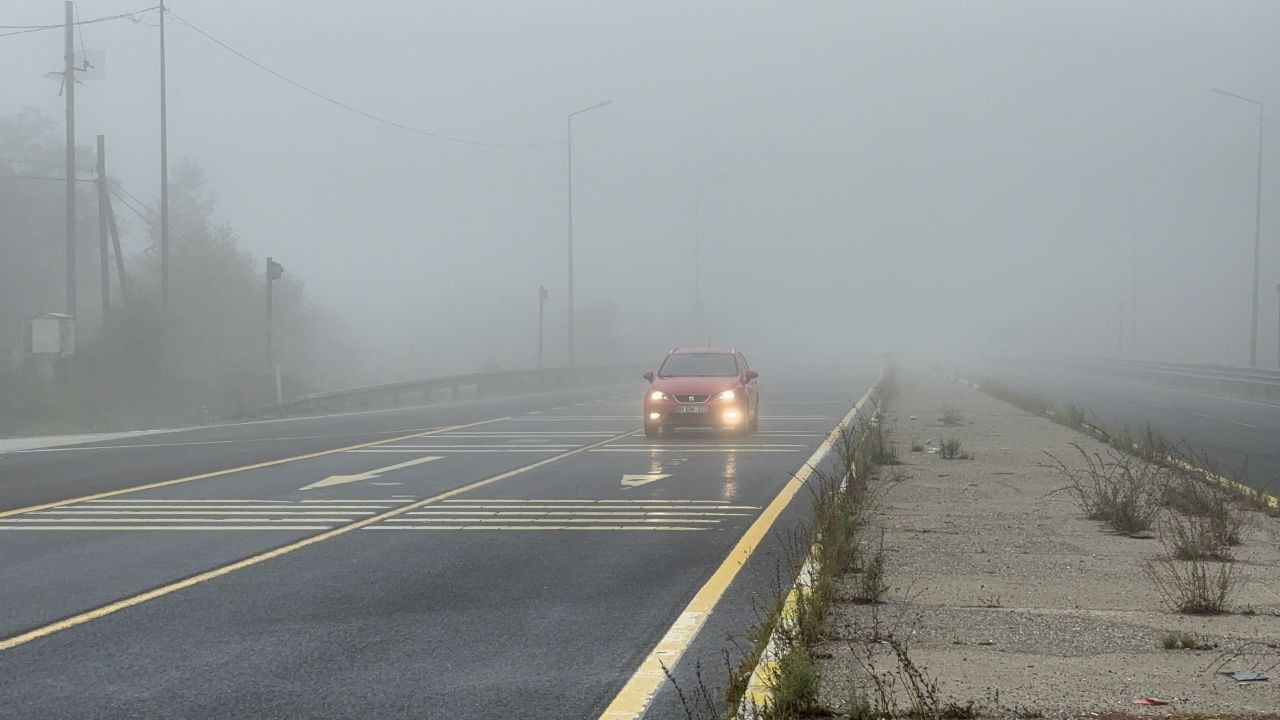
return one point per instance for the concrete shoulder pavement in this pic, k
(1002, 585)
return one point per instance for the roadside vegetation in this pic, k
(951, 449)
(793, 621)
(136, 368)
(1146, 486)
(889, 685)
(1119, 490)
(1183, 640)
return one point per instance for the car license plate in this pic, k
(691, 408)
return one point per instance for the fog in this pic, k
(925, 178)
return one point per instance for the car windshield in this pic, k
(699, 365)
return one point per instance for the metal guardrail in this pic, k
(1245, 383)
(453, 387)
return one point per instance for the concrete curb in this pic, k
(758, 692)
(1102, 436)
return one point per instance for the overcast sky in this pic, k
(929, 177)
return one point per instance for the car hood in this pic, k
(694, 385)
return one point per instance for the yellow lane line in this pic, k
(633, 699)
(122, 604)
(243, 468)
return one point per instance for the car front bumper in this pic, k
(723, 414)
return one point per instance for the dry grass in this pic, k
(951, 417)
(904, 690)
(1193, 587)
(872, 584)
(1201, 537)
(1120, 490)
(951, 449)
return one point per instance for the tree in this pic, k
(206, 361)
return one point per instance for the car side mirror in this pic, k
(752, 375)
(648, 376)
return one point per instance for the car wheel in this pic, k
(754, 425)
(652, 431)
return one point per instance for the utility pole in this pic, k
(164, 185)
(1257, 228)
(569, 151)
(115, 244)
(69, 86)
(274, 271)
(1257, 246)
(1120, 334)
(104, 259)
(1133, 298)
(542, 301)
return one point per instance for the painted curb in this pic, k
(757, 695)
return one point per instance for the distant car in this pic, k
(702, 387)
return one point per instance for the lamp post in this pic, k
(569, 148)
(1257, 228)
(697, 253)
(542, 301)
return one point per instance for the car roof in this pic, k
(704, 350)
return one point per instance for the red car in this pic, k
(702, 387)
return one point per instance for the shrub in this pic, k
(1120, 490)
(1195, 587)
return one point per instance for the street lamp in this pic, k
(697, 253)
(542, 301)
(1257, 229)
(570, 163)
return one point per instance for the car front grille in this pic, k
(692, 398)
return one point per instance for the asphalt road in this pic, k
(510, 558)
(1240, 436)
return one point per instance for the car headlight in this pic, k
(727, 395)
(658, 395)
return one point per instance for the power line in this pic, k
(20, 161)
(121, 189)
(24, 29)
(146, 213)
(353, 109)
(41, 177)
(136, 211)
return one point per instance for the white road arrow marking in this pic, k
(634, 480)
(341, 479)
